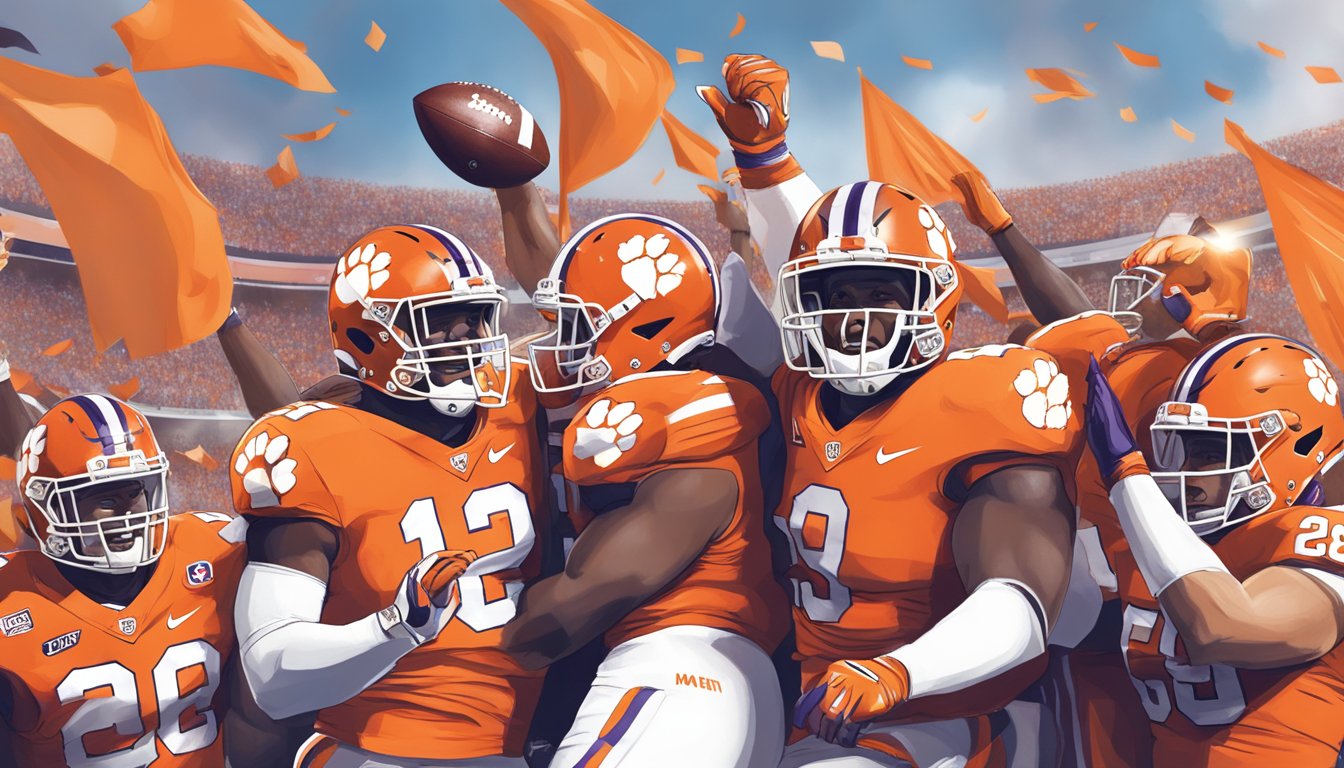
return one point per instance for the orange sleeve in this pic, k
(1304, 537)
(1073, 341)
(273, 472)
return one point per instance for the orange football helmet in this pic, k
(627, 293)
(89, 443)
(1197, 281)
(386, 295)
(1259, 411)
(869, 225)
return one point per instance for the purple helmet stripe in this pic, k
(100, 424)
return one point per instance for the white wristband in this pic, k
(1165, 548)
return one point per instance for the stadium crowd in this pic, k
(43, 304)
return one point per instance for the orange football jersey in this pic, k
(1220, 716)
(94, 686)
(869, 508)
(646, 423)
(396, 496)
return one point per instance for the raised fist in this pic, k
(981, 206)
(755, 113)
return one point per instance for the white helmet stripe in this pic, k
(109, 414)
(835, 221)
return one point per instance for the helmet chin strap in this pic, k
(457, 398)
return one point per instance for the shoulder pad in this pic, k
(1073, 341)
(641, 424)
(1306, 537)
(273, 469)
(1012, 398)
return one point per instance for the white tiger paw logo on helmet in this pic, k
(940, 238)
(361, 271)
(267, 473)
(1045, 395)
(33, 446)
(648, 267)
(1321, 383)
(610, 431)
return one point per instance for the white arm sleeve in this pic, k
(774, 214)
(746, 325)
(1164, 547)
(294, 663)
(1000, 625)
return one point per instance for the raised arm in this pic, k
(1050, 294)
(15, 420)
(602, 581)
(531, 241)
(265, 383)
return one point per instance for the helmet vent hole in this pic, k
(360, 339)
(649, 330)
(404, 233)
(880, 217)
(599, 237)
(1308, 441)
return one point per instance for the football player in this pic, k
(672, 562)
(890, 612)
(1233, 620)
(390, 538)
(118, 636)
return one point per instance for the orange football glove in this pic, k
(1163, 250)
(854, 692)
(755, 113)
(981, 206)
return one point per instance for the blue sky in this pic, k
(979, 51)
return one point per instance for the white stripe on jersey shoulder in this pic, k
(648, 375)
(712, 380)
(701, 406)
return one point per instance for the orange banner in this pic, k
(1308, 218)
(173, 34)
(142, 235)
(692, 151)
(613, 86)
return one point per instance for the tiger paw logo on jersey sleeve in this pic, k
(940, 238)
(610, 431)
(33, 446)
(1045, 395)
(267, 472)
(1321, 383)
(648, 267)
(362, 270)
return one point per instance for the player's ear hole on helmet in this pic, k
(362, 341)
(1304, 444)
(651, 329)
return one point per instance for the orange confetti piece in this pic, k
(376, 37)
(1138, 59)
(21, 381)
(318, 135)
(917, 63)
(200, 457)
(657, 177)
(285, 169)
(1221, 94)
(1127, 114)
(8, 469)
(1271, 50)
(125, 390)
(1088, 26)
(978, 116)
(1324, 75)
(1182, 131)
(714, 194)
(828, 49)
(737, 28)
(106, 68)
(1063, 85)
(687, 56)
(343, 112)
(58, 348)
(690, 150)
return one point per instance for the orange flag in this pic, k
(1308, 218)
(983, 290)
(1063, 85)
(902, 151)
(1218, 92)
(142, 234)
(172, 34)
(58, 348)
(692, 151)
(125, 390)
(1138, 59)
(613, 86)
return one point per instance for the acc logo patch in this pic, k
(16, 623)
(63, 643)
(832, 450)
(127, 626)
(200, 573)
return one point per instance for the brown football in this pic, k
(482, 134)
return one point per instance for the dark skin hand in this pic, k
(531, 242)
(602, 582)
(1017, 523)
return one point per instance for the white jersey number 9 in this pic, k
(817, 525)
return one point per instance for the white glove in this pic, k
(428, 597)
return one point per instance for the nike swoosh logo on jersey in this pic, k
(175, 623)
(883, 458)
(497, 455)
